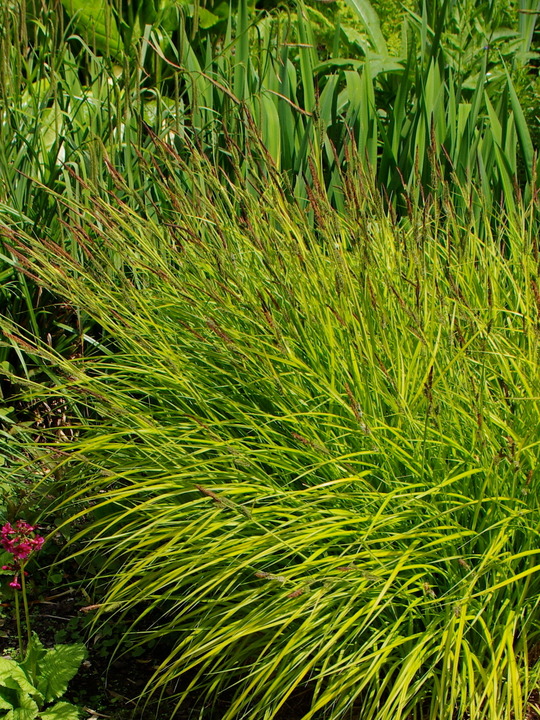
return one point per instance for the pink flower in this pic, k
(20, 541)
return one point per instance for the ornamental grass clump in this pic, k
(304, 444)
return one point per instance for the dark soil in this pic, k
(101, 688)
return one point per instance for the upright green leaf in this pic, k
(270, 126)
(27, 709)
(524, 136)
(528, 11)
(95, 21)
(7, 698)
(148, 11)
(367, 14)
(307, 55)
(13, 676)
(57, 667)
(241, 56)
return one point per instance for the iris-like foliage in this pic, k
(306, 443)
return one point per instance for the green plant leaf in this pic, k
(355, 37)
(523, 133)
(95, 21)
(27, 709)
(207, 19)
(6, 699)
(270, 127)
(57, 667)
(148, 10)
(366, 12)
(60, 711)
(34, 655)
(13, 676)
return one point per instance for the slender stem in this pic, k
(18, 618)
(26, 611)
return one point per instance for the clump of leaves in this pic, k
(31, 688)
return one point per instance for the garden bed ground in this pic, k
(105, 689)
(108, 690)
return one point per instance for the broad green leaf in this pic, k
(8, 698)
(207, 19)
(242, 53)
(95, 21)
(506, 175)
(27, 709)
(354, 37)
(61, 711)
(56, 669)
(170, 16)
(522, 128)
(51, 128)
(495, 124)
(13, 676)
(35, 653)
(270, 128)
(308, 58)
(370, 20)
(222, 10)
(527, 18)
(378, 65)
(148, 10)
(367, 144)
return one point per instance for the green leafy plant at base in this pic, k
(30, 689)
(39, 676)
(307, 444)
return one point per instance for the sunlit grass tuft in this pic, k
(309, 449)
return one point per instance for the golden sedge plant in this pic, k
(304, 444)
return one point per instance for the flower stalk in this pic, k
(21, 541)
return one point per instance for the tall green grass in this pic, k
(307, 454)
(446, 105)
(445, 108)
